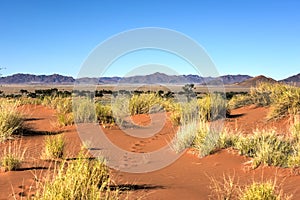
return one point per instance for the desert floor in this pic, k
(187, 178)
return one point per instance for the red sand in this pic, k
(187, 178)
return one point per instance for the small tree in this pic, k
(189, 91)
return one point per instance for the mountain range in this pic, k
(155, 78)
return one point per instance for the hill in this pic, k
(36, 79)
(292, 80)
(252, 82)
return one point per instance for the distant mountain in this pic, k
(156, 78)
(292, 80)
(183, 79)
(36, 79)
(228, 79)
(252, 82)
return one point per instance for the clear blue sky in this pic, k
(242, 37)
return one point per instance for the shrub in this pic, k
(11, 120)
(83, 178)
(54, 147)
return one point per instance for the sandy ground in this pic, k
(186, 178)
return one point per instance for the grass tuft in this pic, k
(12, 156)
(54, 147)
(11, 121)
(83, 178)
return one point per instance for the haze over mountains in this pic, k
(156, 78)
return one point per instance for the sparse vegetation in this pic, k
(226, 189)
(283, 99)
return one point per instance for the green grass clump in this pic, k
(206, 140)
(285, 100)
(54, 147)
(144, 103)
(209, 108)
(212, 107)
(63, 107)
(84, 110)
(83, 178)
(120, 109)
(266, 148)
(240, 100)
(185, 136)
(197, 134)
(11, 121)
(10, 162)
(230, 189)
(228, 139)
(65, 119)
(261, 191)
(12, 156)
(104, 114)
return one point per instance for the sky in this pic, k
(251, 37)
